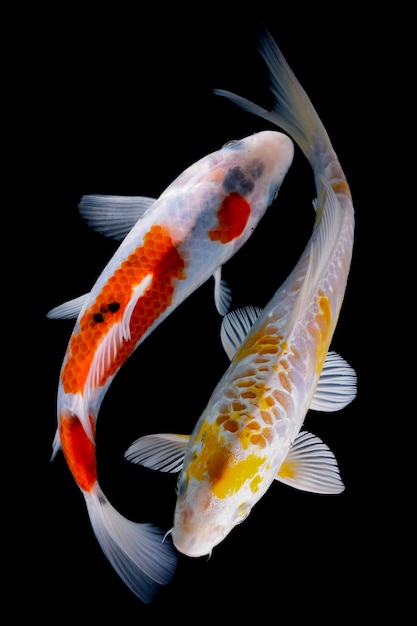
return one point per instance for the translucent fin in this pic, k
(311, 466)
(222, 293)
(113, 216)
(139, 553)
(235, 327)
(68, 310)
(163, 452)
(56, 445)
(337, 385)
(293, 110)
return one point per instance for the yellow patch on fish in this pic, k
(287, 469)
(228, 476)
(341, 187)
(217, 463)
(259, 343)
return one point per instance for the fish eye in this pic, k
(181, 484)
(242, 513)
(233, 143)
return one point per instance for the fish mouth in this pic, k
(194, 553)
(193, 548)
(198, 542)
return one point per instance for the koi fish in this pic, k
(250, 433)
(170, 247)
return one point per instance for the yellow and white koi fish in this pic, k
(181, 240)
(250, 432)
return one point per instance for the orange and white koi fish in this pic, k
(181, 240)
(250, 432)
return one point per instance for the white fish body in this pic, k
(250, 432)
(179, 241)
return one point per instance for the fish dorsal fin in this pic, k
(222, 293)
(236, 326)
(68, 310)
(311, 466)
(113, 216)
(164, 452)
(337, 384)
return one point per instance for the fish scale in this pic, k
(115, 295)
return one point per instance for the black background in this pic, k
(121, 102)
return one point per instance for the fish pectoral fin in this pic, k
(164, 452)
(311, 466)
(222, 293)
(337, 385)
(68, 310)
(113, 216)
(236, 326)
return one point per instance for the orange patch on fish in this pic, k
(233, 216)
(158, 257)
(342, 187)
(79, 451)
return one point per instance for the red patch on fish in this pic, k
(79, 451)
(233, 216)
(158, 257)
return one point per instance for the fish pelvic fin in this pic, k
(68, 310)
(222, 293)
(141, 554)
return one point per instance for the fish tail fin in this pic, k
(137, 551)
(293, 110)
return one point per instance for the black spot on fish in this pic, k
(235, 180)
(112, 307)
(256, 169)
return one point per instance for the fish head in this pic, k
(257, 165)
(219, 484)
